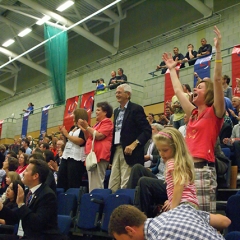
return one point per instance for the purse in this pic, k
(91, 159)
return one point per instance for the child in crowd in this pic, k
(179, 168)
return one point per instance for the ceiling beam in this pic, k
(6, 90)
(25, 61)
(201, 7)
(107, 12)
(20, 28)
(80, 17)
(81, 31)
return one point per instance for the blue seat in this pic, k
(64, 224)
(233, 212)
(129, 192)
(67, 204)
(227, 152)
(91, 211)
(112, 202)
(233, 236)
(59, 191)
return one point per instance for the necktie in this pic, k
(28, 198)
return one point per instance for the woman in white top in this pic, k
(72, 166)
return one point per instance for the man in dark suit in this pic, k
(131, 132)
(151, 154)
(37, 214)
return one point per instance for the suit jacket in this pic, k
(134, 126)
(39, 219)
(154, 153)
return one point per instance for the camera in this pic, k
(95, 81)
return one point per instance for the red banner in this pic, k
(236, 70)
(1, 122)
(71, 105)
(87, 103)
(169, 92)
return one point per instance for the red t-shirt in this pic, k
(202, 132)
(102, 148)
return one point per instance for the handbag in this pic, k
(91, 159)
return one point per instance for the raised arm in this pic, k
(218, 104)
(177, 86)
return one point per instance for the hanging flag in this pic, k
(25, 125)
(236, 71)
(202, 68)
(44, 120)
(71, 105)
(87, 103)
(169, 92)
(1, 123)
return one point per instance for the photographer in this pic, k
(100, 86)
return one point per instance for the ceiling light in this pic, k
(65, 5)
(24, 32)
(8, 42)
(43, 20)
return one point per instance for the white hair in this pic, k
(126, 88)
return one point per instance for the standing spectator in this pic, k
(112, 81)
(25, 144)
(190, 55)
(234, 112)
(205, 49)
(183, 128)
(178, 57)
(151, 118)
(102, 144)
(162, 66)
(72, 166)
(30, 108)
(226, 89)
(121, 78)
(187, 89)
(131, 132)
(204, 125)
(164, 119)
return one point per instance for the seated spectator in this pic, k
(15, 146)
(234, 113)
(151, 118)
(226, 89)
(178, 112)
(151, 154)
(23, 163)
(101, 86)
(44, 146)
(11, 154)
(178, 57)
(121, 78)
(2, 155)
(190, 56)
(50, 181)
(21, 150)
(205, 49)
(10, 178)
(30, 139)
(39, 213)
(164, 119)
(183, 222)
(112, 80)
(25, 144)
(187, 89)
(162, 66)
(30, 108)
(183, 128)
(48, 155)
(10, 164)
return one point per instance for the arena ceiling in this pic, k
(124, 24)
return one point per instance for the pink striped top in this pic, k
(189, 191)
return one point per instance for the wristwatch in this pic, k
(137, 142)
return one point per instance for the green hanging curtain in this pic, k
(56, 53)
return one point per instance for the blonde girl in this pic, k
(179, 171)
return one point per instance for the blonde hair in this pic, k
(13, 176)
(183, 172)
